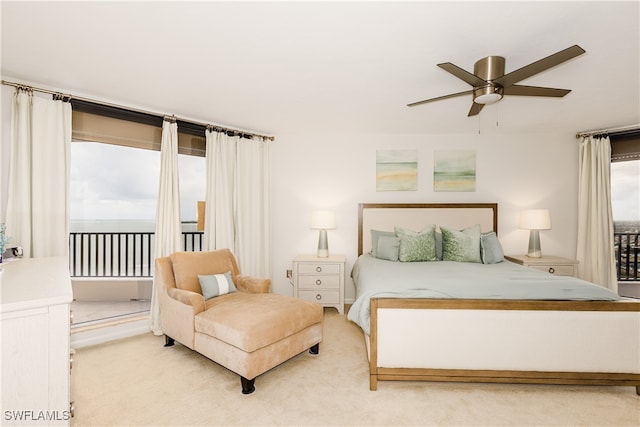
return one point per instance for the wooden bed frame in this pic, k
(508, 341)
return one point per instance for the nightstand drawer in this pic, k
(321, 296)
(309, 268)
(319, 282)
(558, 270)
(555, 265)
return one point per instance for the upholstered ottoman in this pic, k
(252, 333)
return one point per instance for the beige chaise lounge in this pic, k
(248, 331)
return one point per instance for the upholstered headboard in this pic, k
(415, 216)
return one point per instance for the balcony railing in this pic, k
(627, 252)
(118, 254)
(127, 254)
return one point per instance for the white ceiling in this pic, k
(288, 67)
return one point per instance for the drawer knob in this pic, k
(552, 270)
(318, 269)
(318, 297)
(318, 282)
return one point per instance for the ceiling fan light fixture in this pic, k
(487, 95)
(489, 80)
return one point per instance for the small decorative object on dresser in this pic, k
(551, 264)
(320, 279)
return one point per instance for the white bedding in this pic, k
(447, 279)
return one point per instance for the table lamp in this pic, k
(323, 221)
(535, 220)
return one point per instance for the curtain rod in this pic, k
(618, 130)
(68, 97)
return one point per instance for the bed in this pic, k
(490, 331)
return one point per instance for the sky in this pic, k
(625, 190)
(115, 182)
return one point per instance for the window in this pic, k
(110, 183)
(625, 203)
(118, 183)
(625, 191)
(114, 179)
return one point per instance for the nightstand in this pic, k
(551, 264)
(320, 280)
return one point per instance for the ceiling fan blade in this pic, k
(535, 91)
(462, 74)
(539, 66)
(453, 95)
(475, 109)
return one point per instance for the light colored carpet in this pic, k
(136, 381)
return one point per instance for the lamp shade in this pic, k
(535, 219)
(323, 220)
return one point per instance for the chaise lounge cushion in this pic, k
(229, 318)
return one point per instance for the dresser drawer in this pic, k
(310, 268)
(320, 296)
(319, 282)
(558, 270)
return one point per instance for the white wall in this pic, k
(337, 172)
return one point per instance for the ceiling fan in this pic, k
(490, 83)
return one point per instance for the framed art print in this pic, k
(396, 170)
(454, 170)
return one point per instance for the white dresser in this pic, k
(320, 280)
(36, 298)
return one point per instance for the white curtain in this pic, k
(595, 250)
(253, 220)
(237, 200)
(38, 198)
(168, 235)
(220, 198)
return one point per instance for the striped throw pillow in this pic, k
(216, 284)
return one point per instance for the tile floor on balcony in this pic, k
(94, 312)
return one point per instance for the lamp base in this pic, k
(534, 244)
(323, 244)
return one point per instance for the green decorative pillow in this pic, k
(461, 246)
(490, 248)
(215, 285)
(375, 235)
(388, 248)
(417, 246)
